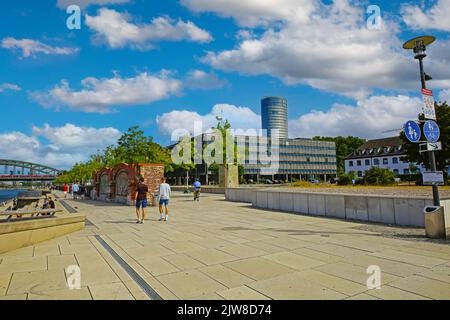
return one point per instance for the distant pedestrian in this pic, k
(197, 188)
(141, 200)
(82, 192)
(75, 190)
(66, 190)
(164, 197)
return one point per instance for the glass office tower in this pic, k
(275, 116)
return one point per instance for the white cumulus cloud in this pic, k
(328, 47)
(31, 48)
(435, 18)
(239, 117)
(198, 79)
(9, 86)
(251, 13)
(370, 118)
(63, 4)
(117, 30)
(102, 95)
(60, 147)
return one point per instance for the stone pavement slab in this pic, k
(223, 250)
(293, 286)
(259, 268)
(226, 276)
(242, 293)
(190, 283)
(424, 286)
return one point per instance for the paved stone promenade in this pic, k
(221, 250)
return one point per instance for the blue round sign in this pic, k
(431, 131)
(412, 131)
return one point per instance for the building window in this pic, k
(385, 161)
(367, 162)
(395, 160)
(406, 171)
(376, 162)
(396, 171)
(358, 163)
(360, 174)
(308, 160)
(350, 164)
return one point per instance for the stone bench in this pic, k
(34, 214)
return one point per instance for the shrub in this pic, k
(346, 178)
(379, 176)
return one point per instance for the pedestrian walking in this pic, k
(197, 188)
(65, 190)
(164, 197)
(141, 200)
(75, 190)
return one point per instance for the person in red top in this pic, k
(65, 189)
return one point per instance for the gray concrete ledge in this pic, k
(394, 210)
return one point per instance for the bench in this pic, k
(34, 214)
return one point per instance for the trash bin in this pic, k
(434, 222)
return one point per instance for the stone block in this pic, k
(287, 201)
(415, 208)
(273, 200)
(401, 209)
(335, 206)
(356, 208)
(387, 210)
(19, 234)
(316, 204)
(374, 209)
(255, 199)
(261, 199)
(300, 203)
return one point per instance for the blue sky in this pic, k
(163, 64)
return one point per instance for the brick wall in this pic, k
(152, 174)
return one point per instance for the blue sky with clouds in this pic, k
(163, 64)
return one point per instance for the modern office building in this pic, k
(384, 153)
(267, 158)
(274, 116)
(300, 158)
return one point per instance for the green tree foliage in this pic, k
(346, 178)
(132, 147)
(443, 156)
(344, 147)
(379, 176)
(223, 127)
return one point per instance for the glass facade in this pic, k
(293, 156)
(275, 115)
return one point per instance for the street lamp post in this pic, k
(418, 45)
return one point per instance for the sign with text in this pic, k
(425, 147)
(433, 178)
(428, 104)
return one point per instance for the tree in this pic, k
(238, 152)
(442, 157)
(344, 147)
(132, 147)
(379, 176)
(346, 179)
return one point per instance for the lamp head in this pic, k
(419, 45)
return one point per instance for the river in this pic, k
(8, 194)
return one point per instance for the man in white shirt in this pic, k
(164, 197)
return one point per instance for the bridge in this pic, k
(14, 170)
